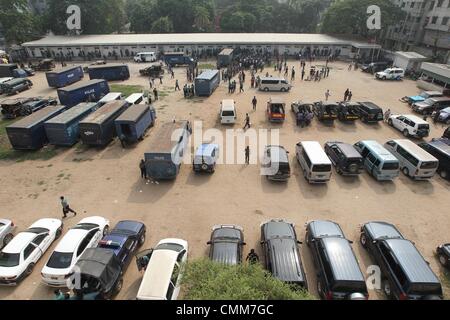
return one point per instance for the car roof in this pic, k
(384, 230)
(111, 96)
(206, 149)
(440, 146)
(284, 252)
(278, 228)
(278, 154)
(343, 262)
(128, 225)
(381, 151)
(411, 261)
(271, 78)
(70, 242)
(19, 242)
(413, 148)
(414, 118)
(369, 105)
(315, 152)
(347, 149)
(134, 97)
(228, 104)
(225, 252)
(322, 228)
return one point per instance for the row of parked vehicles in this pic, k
(405, 273)
(431, 102)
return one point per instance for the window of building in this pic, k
(440, 3)
(434, 20)
(431, 5)
(445, 20)
(413, 4)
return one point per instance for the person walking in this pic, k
(247, 122)
(327, 95)
(252, 257)
(247, 155)
(160, 80)
(293, 74)
(387, 115)
(155, 93)
(177, 86)
(241, 87)
(350, 95)
(303, 74)
(346, 94)
(143, 169)
(66, 208)
(150, 82)
(254, 103)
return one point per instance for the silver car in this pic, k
(6, 232)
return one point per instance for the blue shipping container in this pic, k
(63, 130)
(207, 82)
(64, 77)
(90, 91)
(132, 125)
(109, 72)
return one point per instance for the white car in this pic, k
(391, 74)
(6, 232)
(164, 270)
(19, 257)
(86, 234)
(410, 125)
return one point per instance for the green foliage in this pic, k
(19, 24)
(126, 90)
(162, 25)
(350, 16)
(206, 280)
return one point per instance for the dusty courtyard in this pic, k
(106, 182)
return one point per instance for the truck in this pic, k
(98, 128)
(207, 82)
(64, 77)
(92, 90)
(173, 59)
(132, 125)
(110, 72)
(63, 130)
(166, 150)
(29, 132)
(7, 70)
(225, 58)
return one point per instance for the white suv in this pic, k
(410, 125)
(391, 74)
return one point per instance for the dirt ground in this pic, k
(106, 181)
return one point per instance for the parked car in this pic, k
(348, 111)
(422, 97)
(431, 105)
(440, 149)
(228, 114)
(299, 106)
(124, 240)
(345, 158)
(325, 111)
(44, 65)
(3, 80)
(226, 244)
(446, 133)
(276, 110)
(391, 74)
(95, 63)
(375, 66)
(16, 86)
(410, 125)
(274, 84)
(369, 112)
(205, 158)
(444, 116)
(86, 234)
(314, 162)
(154, 71)
(19, 257)
(339, 276)
(281, 252)
(6, 232)
(163, 271)
(443, 252)
(407, 276)
(275, 163)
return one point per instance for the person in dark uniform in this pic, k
(247, 155)
(247, 122)
(252, 257)
(143, 169)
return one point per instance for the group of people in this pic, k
(304, 118)
(189, 91)
(348, 95)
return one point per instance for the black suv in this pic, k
(375, 66)
(348, 111)
(407, 276)
(226, 243)
(339, 276)
(325, 111)
(440, 150)
(346, 159)
(443, 252)
(275, 164)
(281, 251)
(369, 112)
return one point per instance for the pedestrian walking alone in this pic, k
(327, 95)
(143, 169)
(177, 86)
(241, 87)
(346, 94)
(254, 103)
(66, 208)
(350, 95)
(247, 122)
(155, 93)
(247, 155)
(252, 257)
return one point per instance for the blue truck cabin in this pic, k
(134, 122)
(110, 72)
(207, 82)
(64, 77)
(90, 91)
(63, 130)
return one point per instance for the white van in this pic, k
(164, 270)
(135, 98)
(145, 57)
(314, 161)
(112, 96)
(274, 84)
(228, 113)
(391, 74)
(415, 162)
(410, 125)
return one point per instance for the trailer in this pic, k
(90, 91)
(110, 72)
(225, 58)
(29, 133)
(98, 128)
(63, 130)
(7, 70)
(178, 58)
(207, 82)
(166, 150)
(132, 125)
(64, 77)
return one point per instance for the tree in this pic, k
(162, 25)
(19, 24)
(139, 13)
(206, 280)
(202, 20)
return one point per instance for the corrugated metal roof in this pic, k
(63, 70)
(161, 140)
(104, 112)
(207, 75)
(37, 117)
(411, 55)
(83, 84)
(226, 52)
(321, 228)
(133, 113)
(286, 264)
(72, 113)
(108, 66)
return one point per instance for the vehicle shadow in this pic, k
(309, 267)
(417, 186)
(147, 191)
(347, 182)
(308, 190)
(132, 290)
(349, 126)
(273, 186)
(380, 187)
(198, 179)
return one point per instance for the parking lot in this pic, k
(106, 182)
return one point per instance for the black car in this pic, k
(154, 71)
(406, 275)
(339, 276)
(348, 111)
(375, 66)
(325, 111)
(446, 133)
(443, 252)
(346, 159)
(16, 86)
(369, 112)
(226, 243)
(281, 252)
(440, 149)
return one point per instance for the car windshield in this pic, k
(429, 165)
(350, 287)
(170, 246)
(85, 226)
(322, 168)
(60, 260)
(9, 259)
(391, 166)
(425, 289)
(424, 127)
(228, 113)
(425, 95)
(429, 101)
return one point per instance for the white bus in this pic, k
(145, 57)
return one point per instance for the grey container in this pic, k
(207, 82)
(29, 133)
(134, 122)
(63, 130)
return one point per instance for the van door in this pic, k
(370, 163)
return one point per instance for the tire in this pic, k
(319, 288)
(58, 233)
(283, 90)
(142, 240)
(364, 119)
(7, 239)
(390, 122)
(443, 260)
(384, 78)
(406, 133)
(406, 171)
(266, 89)
(363, 240)
(105, 230)
(353, 168)
(29, 269)
(443, 174)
